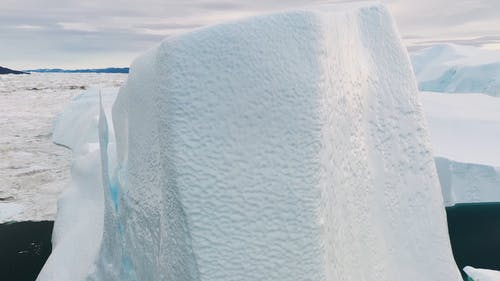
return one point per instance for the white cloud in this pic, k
(27, 26)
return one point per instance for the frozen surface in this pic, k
(76, 127)
(457, 69)
(465, 133)
(468, 182)
(81, 207)
(10, 209)
(236, 159)
(478, 274)
(33, 170)
(465, 128)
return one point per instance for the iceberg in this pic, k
(454, 68)
(288, 146)
(467, 182)
(465, 132)
(78, 226)
(479, 274)
(76, 127)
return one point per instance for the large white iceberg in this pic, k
(289, 146)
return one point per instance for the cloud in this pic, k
(27, 26)
(78, 26)
(168, 26)
(67, 33)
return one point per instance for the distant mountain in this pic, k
(97, 70)
(4, 70)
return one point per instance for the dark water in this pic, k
(24, 248)
(474, 233)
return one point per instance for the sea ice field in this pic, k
(34, 171)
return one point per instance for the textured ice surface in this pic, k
(478, 274)
(33, 170)
(289, 146)
(457, 69)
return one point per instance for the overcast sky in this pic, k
(101, 33)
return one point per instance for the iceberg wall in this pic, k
(78, 227)
(465, 132)
(289, 146)
(467, 182)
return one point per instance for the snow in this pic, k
(230, 158)
(77, 126)
(457, 69)
(33, 170)
(465, 132)
(478, 274)
(464, 128)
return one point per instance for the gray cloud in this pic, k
(171, 26)
(93, 33)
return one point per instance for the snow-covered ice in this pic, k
(33, 170)
(464, 128)
(81, 207)
(76, 127)
(478, 274)
(468, 182)
(10, 209)
(237, 160)
(457, 69)
(465, 133)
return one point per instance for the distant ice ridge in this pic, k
(465, 133)
(457, 69)
(289, 146)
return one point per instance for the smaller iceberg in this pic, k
(478, 274)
